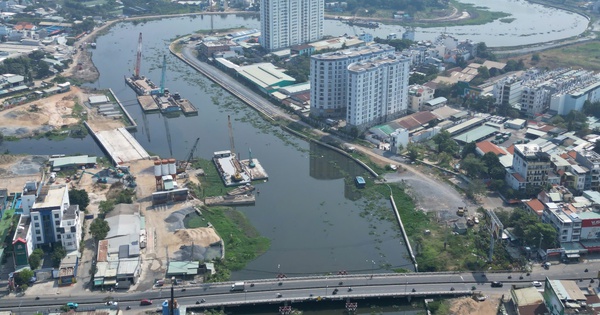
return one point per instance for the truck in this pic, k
(238, 286)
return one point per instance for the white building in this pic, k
(290, 22)
(530, 167)
(377, 90)
(399, 139)
(329, 77)
(53, 219)
(566, 223)
(70, 229)
(418, 95)
(508, 91)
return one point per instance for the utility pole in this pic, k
(172, 306)
(541, 238)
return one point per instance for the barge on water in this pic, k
(166, 103)
(142, 85)
(186, 106)
(363, 23)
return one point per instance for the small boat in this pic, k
(360, 182)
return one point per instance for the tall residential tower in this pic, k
(285, 23)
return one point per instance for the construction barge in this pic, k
(141, 85)
(166, 103)
(156, 98)
(237, 173)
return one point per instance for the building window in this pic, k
(39, 238)
(68, 236)
(38, 232)
(56, 215)
(37, 225)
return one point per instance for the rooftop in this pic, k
(22, 229)
(265, 75)
(72, 161)
(354, 52)
(53, 199)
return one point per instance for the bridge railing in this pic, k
(332, 297)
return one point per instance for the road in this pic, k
(234, 87)
(297, 289)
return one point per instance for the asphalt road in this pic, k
(265, 291)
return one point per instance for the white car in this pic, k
(536, 284)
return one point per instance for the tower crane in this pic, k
(138, 58)
(236, 163)
(162, 78)
(183, 166)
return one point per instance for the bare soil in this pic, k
(467, 305)
(164, 241)
(42, 115)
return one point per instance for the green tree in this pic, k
(474, 167)
(106, 206)
(413, 152)
(23, 277)
(99, 228)
(469, 148)
(535, 57)
(79, 197)
(483, 72)
(545, 231)
(57, 255)
(35, 259)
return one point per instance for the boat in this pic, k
(363, 23)
(242, 190)
(360, 182)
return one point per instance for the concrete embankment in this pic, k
(404, 235)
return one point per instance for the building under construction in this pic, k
(165, 174)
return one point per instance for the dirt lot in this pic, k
(466, 305)
(164, 224)
(42, 115)
(15, 170)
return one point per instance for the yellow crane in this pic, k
(236, 164)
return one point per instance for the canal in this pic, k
(317, 221)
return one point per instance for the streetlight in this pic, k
(372, 266)
(172, 307)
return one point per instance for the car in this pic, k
(278, 295)
(536, 284)
(497, 284)
(146, 302)
(547, 265)
(72, 305)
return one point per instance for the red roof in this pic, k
(511, 149)
(572, 154)
(487, 146)
(519, 177)
(536, 205)
(546, 128)
(19, 240)
(416, 120)
(24, 26)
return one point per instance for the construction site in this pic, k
(234, 172)
(157, 98)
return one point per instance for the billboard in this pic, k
(590, 229)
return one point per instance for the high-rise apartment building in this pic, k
(329, 77)
(290, 22)
(377, 90)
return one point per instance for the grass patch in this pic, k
(242, 241)
(6, 222)
(507, 20)
(584, 55)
